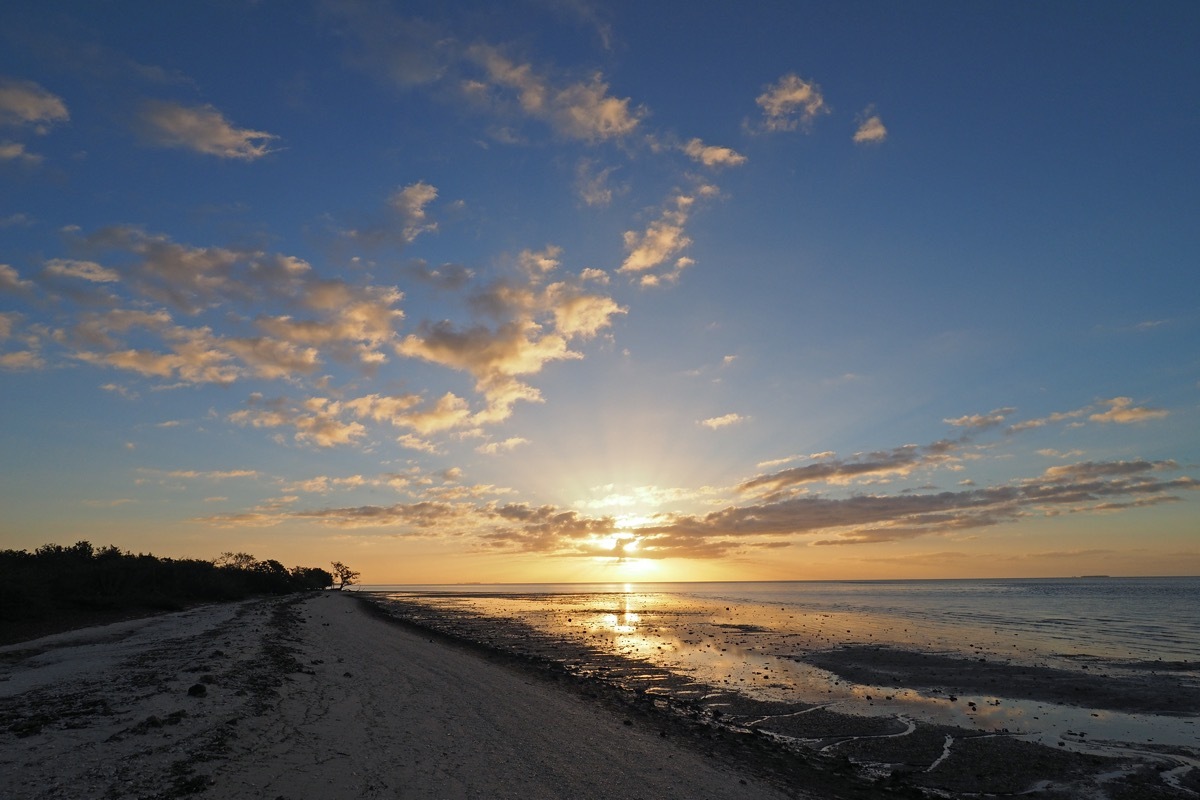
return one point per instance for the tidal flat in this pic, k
(896, 702)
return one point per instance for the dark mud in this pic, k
(1167, 690)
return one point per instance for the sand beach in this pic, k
(317, 698)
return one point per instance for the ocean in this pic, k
(748, 638)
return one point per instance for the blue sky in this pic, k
(589, 291)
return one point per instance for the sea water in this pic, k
(749, 638)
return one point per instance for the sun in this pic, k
(618, 552)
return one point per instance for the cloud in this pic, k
(1087, 487)
(448, 277)
(315, 420)
(493, 357)
(534, 326)
(83, 270)
(981, 422)
(121, 391)
(791, 103)
(1088, 470)
(403, 52)
(326, 422)
(14, 151)
(18, 220)
(10, 281)
(212, 475)
(357, 321)
(195, 356)
(537, 265)
(27, 103)
(21, 360)
(448, 412)
(193, 278)
(409, 517)
(202, 129)
(1121, 410)
(724, 421)
(876, 518)
(711, 156)
(776, 462)
(349, 322)
(417, 443)
(1057, 416)
(582, 110)
(105, 329)
(1052, 453)
(410, 203)
(580, 314)
(493, 448)
(870, 128)
(272, 358)
(663, 239)
(592, 185)
(899, 461)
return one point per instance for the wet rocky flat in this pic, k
(1166, 689)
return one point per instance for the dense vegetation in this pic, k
(55, 583)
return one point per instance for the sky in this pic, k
(562, 290)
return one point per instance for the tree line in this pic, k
(55, 581)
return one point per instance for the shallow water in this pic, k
(747, 638)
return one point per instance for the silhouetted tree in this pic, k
(238, 560)
(343, 575)
(59, 583)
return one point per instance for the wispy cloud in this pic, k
(980, 422)
(1122, 410)
(493, 448)
(723, 421)
(663, 240)
(25, 103)
(16, 152)
(12, 282)
(899, 461)
(83, 270)
(713, 156)
(593, 184)
(581, 110)
(201, 129)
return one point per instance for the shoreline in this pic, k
(887, 749)
(331, 695)
(316, 697)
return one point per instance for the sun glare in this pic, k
(617, 554)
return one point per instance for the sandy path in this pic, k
(317, 699)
